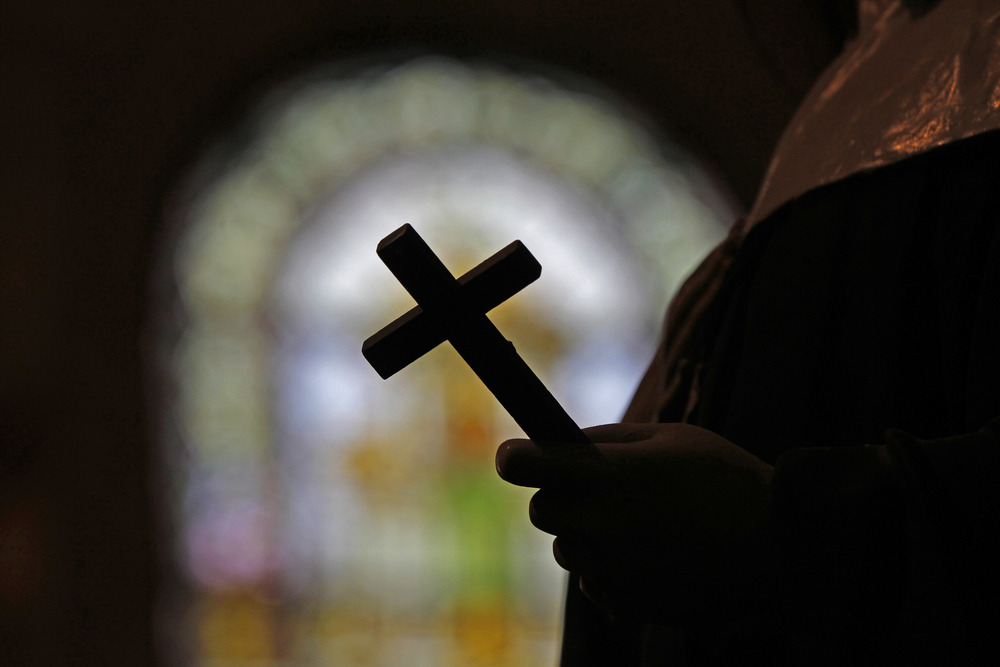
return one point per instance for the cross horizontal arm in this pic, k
(415, 333)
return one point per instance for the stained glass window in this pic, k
(321, 515)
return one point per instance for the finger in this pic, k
(602, 515)
(528, 463)
(575, 556)
(558, 513)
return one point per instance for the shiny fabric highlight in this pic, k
(904, 85)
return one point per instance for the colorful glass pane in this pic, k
(323, 515)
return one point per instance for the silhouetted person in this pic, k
(808, 473)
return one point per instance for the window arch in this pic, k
(321, 514)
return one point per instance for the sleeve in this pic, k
(891, 550)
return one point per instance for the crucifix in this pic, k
(455, 310)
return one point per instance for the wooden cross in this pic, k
(455, 310)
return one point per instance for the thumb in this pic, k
(528, 463)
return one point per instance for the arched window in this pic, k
(320, 514)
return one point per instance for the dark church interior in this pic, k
(107, 105)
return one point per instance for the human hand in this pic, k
(663, 522)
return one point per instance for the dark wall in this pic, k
(103, 103)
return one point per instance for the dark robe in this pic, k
(852, 339)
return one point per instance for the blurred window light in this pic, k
(319, 514)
